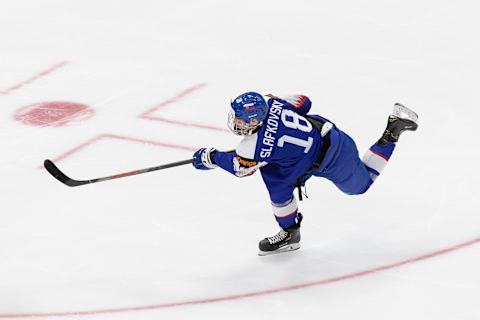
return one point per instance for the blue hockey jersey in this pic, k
(283, 149)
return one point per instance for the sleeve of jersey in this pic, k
(301, 104)
(235, 164)
(240, 162)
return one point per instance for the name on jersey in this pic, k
(269, 136)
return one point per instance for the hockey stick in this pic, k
(60, 176)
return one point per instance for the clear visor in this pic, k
(240, 127)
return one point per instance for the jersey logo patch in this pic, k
(246, 162)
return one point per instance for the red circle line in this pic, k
(248, 294)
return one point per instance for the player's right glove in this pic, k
(203, 159)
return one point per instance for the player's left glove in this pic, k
(203, 158)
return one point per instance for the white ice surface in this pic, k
(182, 235)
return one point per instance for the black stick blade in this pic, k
(60, 176)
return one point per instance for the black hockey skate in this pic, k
(402, 119)
(286, 240)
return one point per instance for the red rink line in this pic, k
(118, 137)
(173, 99)
(37, 76)
(248, 294)
(187, 124)
(77, 148)
(155, 143)
(148, 115)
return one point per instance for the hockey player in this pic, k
(289, 146)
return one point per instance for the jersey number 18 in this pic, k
(293, 120)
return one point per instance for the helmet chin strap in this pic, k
(257, 128)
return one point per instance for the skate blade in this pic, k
(401, 111)
(290, 247)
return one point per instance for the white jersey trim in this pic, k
(246, 147)
(293, 99)
(243, 172)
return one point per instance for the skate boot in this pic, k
(402, 119)
(286, 240)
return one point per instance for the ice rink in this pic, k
(103, 87)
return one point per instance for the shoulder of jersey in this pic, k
(246, 147)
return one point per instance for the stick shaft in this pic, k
(60, 176)
(63, 178)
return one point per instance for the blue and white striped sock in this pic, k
(376, 158)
